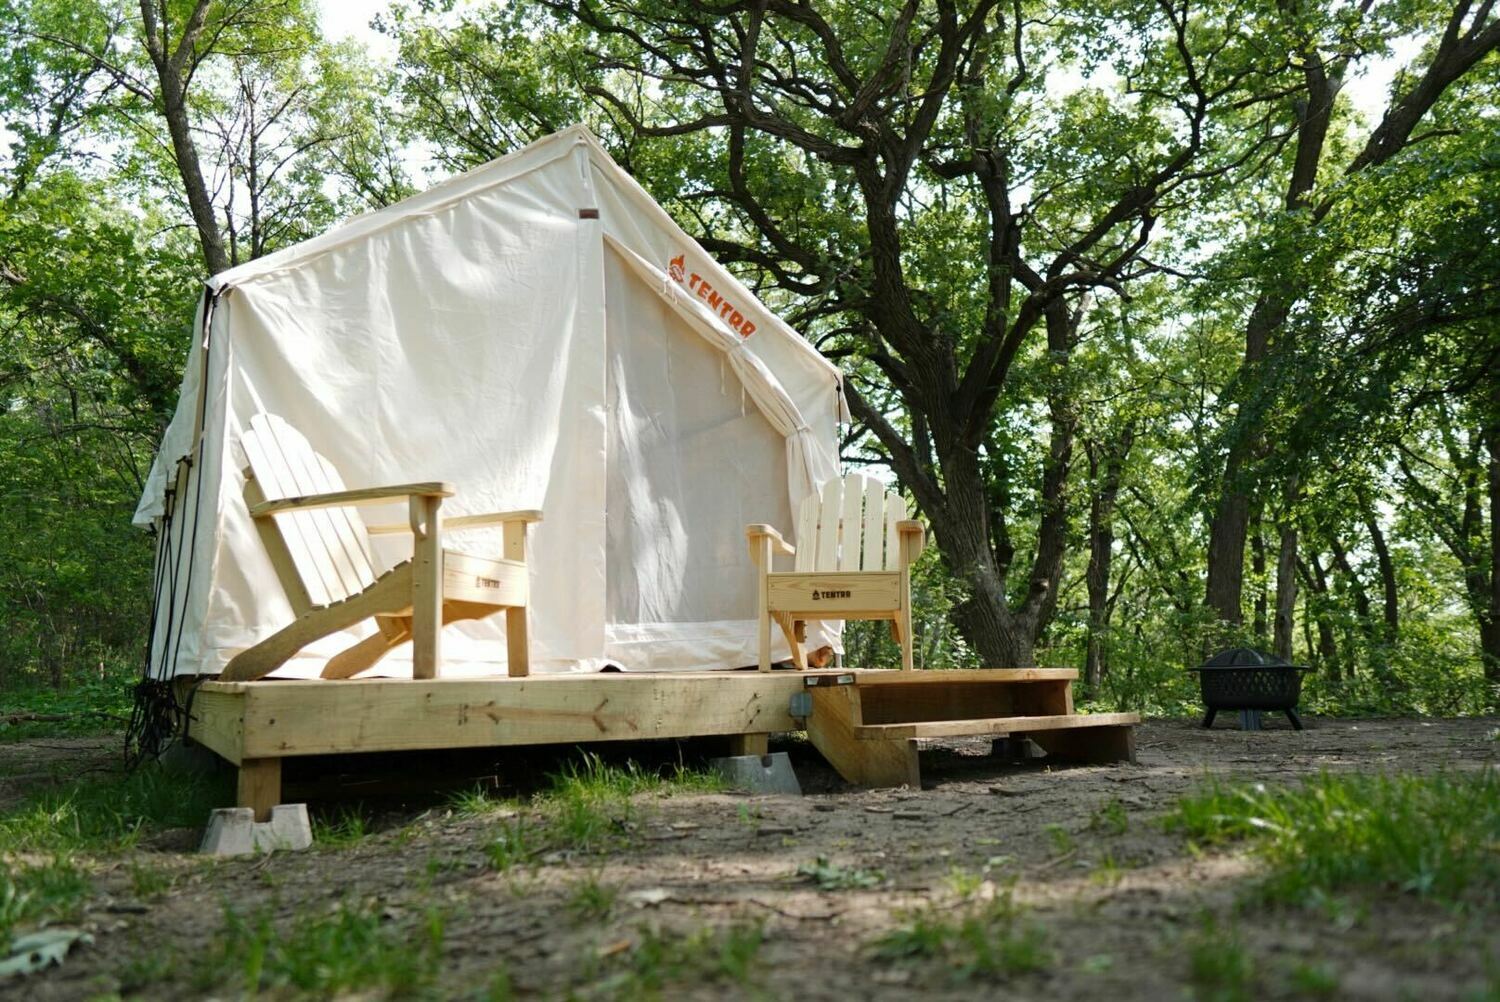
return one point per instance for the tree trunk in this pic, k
(1390, 596)
(1258, 570)
(1316, 609)
(1489, 627)
(961, 529)
(1356, 586)
(1226, 552)
(1286, 591)
(1101, 551)
(171, 61)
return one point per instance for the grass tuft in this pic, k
(662, 962)
(983, 938)
(586, 809)
(343, 830)
(352, 949)
(32, 893)
(591, 900)
(832, 877)
(111, 813)
(512, 845)
(1219, 967)
(1110, 818)
(1429, 836)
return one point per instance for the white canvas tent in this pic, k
(539, 332)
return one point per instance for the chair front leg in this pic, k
(426, 585)
(517, 642)
(762, 550)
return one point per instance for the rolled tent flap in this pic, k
(462, 335)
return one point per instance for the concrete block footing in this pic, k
(233, 831)
(758, 773)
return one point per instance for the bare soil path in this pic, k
(700, 895)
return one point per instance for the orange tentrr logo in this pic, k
(711, 297)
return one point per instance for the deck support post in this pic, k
(259, 786)
(749, 744)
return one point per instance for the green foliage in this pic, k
(1431, 837)
(92, 703)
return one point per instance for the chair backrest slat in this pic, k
(827, 558)
(850, 523)
(874, 527)
(329, 546)
(895, 511)
(807, 534)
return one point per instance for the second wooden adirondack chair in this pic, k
(320, 548)
(855, 547)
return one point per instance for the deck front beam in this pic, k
(276, 719)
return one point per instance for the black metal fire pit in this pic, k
(1244, 679)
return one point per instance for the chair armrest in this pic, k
(911, 527)
(757, 530)
(527, 516)
(458, 522)
(364, 496)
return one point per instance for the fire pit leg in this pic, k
(1208, 718)
(1291, 714)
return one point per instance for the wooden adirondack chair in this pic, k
(320, 548)
(855, 547)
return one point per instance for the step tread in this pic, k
(938, 676)
(992, 725)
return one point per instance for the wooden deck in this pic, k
(866, 722)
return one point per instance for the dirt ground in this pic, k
(1119, 911)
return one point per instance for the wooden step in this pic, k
(991, 726)
(951, 676)
(867, 724)
(901, 697)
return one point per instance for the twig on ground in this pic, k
(58, 718)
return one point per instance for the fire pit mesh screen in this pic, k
(1271, 688)
(1242, 678)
